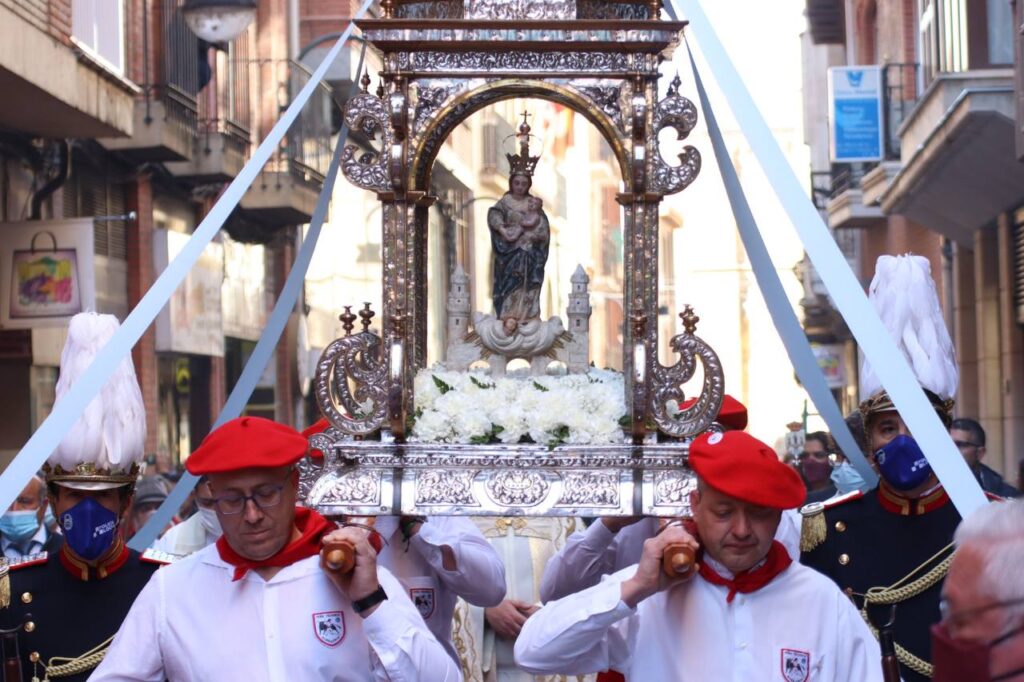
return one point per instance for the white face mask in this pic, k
(208, 517)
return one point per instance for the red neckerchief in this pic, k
(312, 527)
(114, 559)
(776, 562)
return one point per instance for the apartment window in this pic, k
(1000, 32)
(98, 27)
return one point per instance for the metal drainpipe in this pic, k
(947, 284)
(54, 184)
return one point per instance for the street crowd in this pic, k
(794, 569)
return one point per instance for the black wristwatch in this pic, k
(360, 606)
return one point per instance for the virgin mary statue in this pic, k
(520, 235)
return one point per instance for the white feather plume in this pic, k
(111, 433)
(904, 296)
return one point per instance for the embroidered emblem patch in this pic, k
(423, 598)
(715, 438)
(796, 665)
(329, 627)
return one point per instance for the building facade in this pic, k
(121, 129)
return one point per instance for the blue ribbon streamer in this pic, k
(846, 292)
(785, 320)
(67, 411)
(265, 347)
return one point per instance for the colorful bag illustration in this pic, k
(45, 282)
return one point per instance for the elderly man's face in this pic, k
(734, 533)
(31, 498)
(265, 522)
(973, 615)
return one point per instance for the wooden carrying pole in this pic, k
(340, 557)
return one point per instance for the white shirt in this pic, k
(597, 552)
(799, 622)
(191, 623)
(186, 538)
(479, 577)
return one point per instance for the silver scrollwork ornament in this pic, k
(368, 169)
(678, 113)
(667, 384)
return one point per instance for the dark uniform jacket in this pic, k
(879, 538)
(69, 609)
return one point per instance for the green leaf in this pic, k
(497, 428)
(539, 387)
(624, 420)
(441, 385)
(481, 440)
(480, 384)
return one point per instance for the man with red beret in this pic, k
(437, 560)
(258, 605)
(747, 613)
(614, 542)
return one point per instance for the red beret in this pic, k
(733, 413)
(741, 466)
(247, 442)
(318, 427)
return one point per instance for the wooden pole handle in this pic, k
(339, 557)
(678, 560)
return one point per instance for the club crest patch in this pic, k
(329, 627)
(423, 598)
(796, 665)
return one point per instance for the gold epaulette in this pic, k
(813, 529)
(155, 556)
(8, 565)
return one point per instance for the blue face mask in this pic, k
(18, 526)
(902, 464)
(847, 479)
(89, 528)
(49, 520)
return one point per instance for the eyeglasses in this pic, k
(961, 444)
(264, 497)
(815, 455)
(959, 618)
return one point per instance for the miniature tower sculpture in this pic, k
(459, 307)
(578, 312)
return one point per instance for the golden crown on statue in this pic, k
(522, 163)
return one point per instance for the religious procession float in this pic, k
(468, 436)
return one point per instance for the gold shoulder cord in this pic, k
(5, 583)
(59, 666)
(905, 589)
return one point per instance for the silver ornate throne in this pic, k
(443, 61)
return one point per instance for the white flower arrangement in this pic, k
(471, 407)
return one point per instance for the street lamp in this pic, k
(219, 21)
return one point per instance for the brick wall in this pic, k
(319, 17)
(50, 16)
(140, 278)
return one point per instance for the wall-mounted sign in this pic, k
(46, 272)
(856, 122)
(831, 360)
(191, 320)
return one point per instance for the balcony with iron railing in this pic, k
(287, 187)
(175, 67)
(223, 116)
(849, 192)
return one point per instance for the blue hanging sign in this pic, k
(856, 123)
